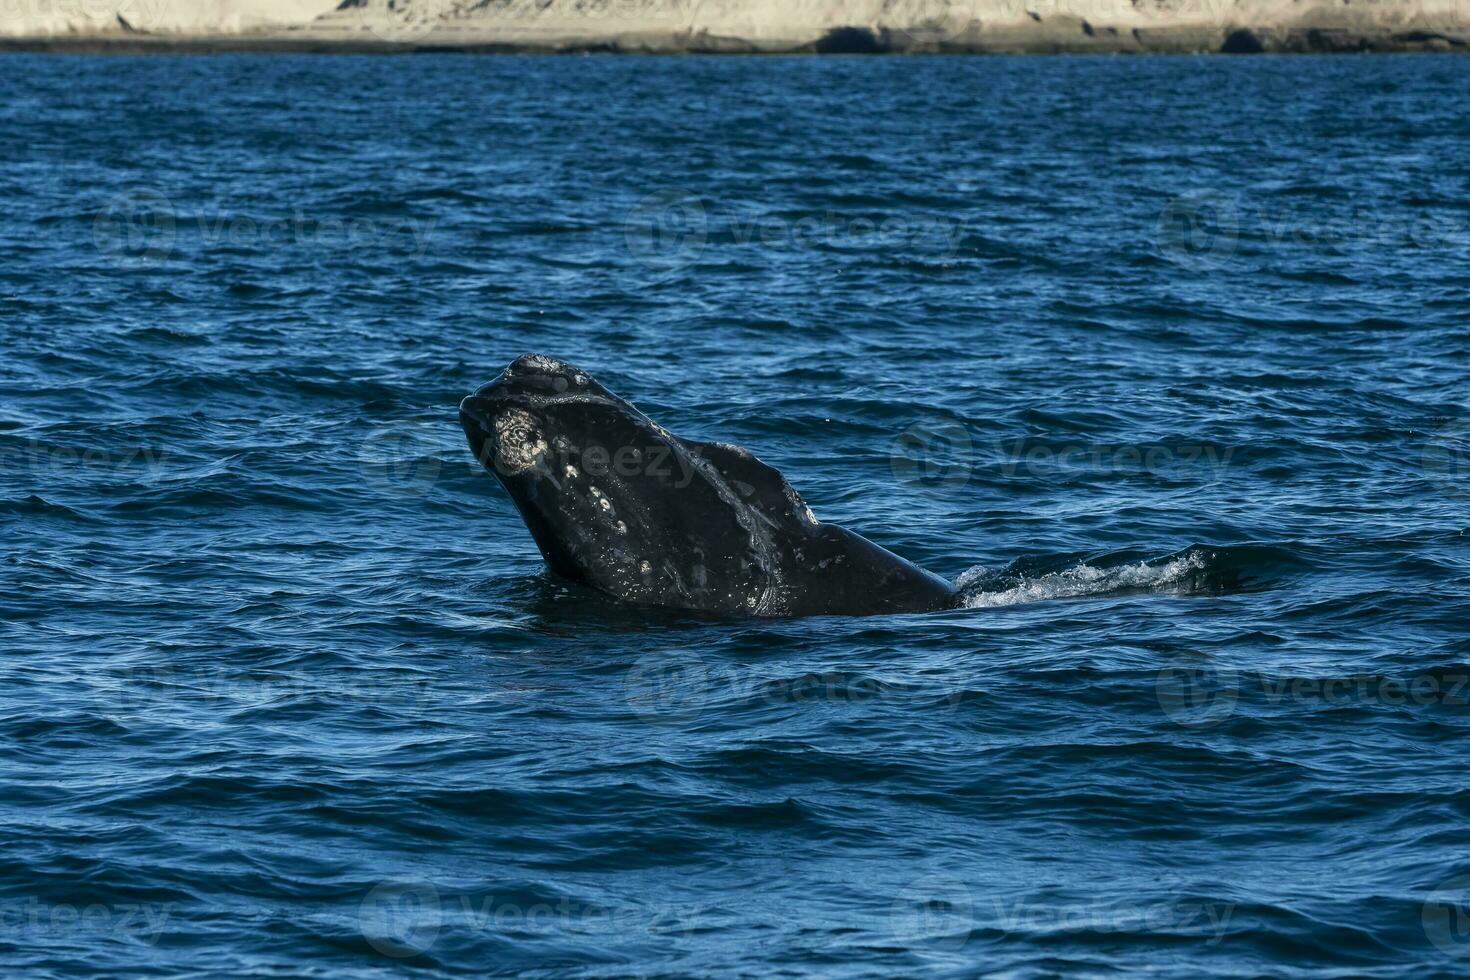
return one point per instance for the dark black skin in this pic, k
(617, 503)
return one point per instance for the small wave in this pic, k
(1194, 571)
(34, 505)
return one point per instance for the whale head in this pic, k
(614, 501)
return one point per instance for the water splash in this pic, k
(983, 588)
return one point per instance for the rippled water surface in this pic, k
(1166, 358)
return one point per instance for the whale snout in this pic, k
(474, 412)
(530, 366)
(505, 419)
(539, 374)
(530, 378)
(531, 382)
(478, 421)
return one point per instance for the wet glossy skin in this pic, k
(616, 502)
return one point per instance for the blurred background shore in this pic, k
(739, 26)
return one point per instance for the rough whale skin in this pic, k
(617, 503)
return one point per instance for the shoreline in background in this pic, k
(739, 26)
(1241, 41)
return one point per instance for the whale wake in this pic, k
(1194, 571)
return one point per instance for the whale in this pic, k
(617, 503)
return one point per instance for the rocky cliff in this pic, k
(844, 26)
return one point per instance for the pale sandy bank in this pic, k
(741, 25)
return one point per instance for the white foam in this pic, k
(1082, 580)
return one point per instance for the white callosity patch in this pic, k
(518, 441)
(539, 362)
(1081, 580)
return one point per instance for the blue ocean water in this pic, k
(1166, 358)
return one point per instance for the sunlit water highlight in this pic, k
(1175, 348)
